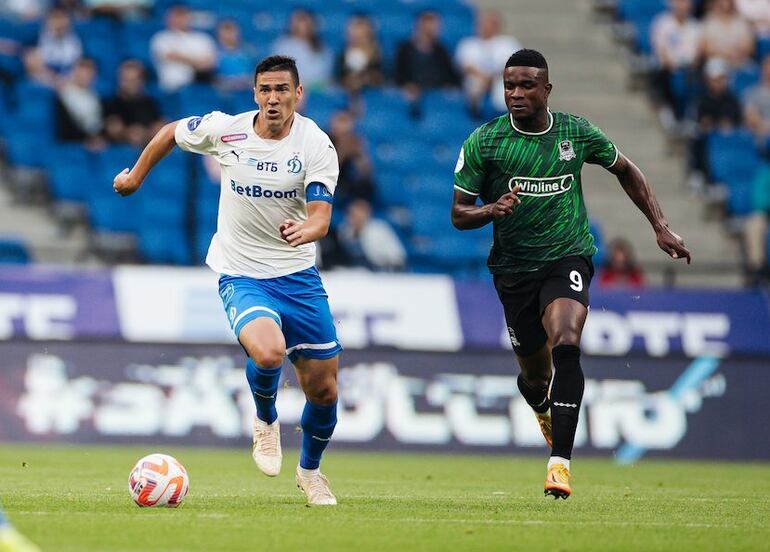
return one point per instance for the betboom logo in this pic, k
(376, 401)
(257, 191)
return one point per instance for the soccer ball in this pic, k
(158, 480)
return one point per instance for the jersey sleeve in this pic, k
(600, 149)
(469, 171)
(201, 134)
(322, 164)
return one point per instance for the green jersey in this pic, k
(551, 222)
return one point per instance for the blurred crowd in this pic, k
(98, 104)
(711, 81)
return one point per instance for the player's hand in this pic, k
(294, 233)
(124, 184)
(505, 205)
(672, 243)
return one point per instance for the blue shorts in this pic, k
(298, 304)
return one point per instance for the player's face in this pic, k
(526, 91)
(277, 97)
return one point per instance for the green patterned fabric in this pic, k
(551, 222)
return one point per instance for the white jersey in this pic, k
(263, 183)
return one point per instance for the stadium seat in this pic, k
(743, 78)
(13, 251)
(70, 174)
(164, 244)
(732, 155)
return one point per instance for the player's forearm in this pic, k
(636, 187)
(316, 228)
(469, 217)
(158, 148)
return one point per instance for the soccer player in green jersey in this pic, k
(525, 168)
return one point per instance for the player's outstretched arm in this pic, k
(635, 185)
(466, 215)
(319, 216)
(129, 181)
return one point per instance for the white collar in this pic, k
(550, 126)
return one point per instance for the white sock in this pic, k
(557, 460)
(307, 473)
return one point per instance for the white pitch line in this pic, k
(454, 521)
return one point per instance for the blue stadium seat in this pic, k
(70, 172)
(596, 231)
(107, 210)
(744, 78)
(13, 251)
(164, 244)
(26, 148)
(732, 156)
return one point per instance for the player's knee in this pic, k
(539, 381)
(267, 356)
(322, 392)
(565, 336)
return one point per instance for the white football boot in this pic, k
(316, 487)
(266, 447)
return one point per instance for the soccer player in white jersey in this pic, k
(279, 171)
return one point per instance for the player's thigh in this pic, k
(519, 298)
(564, 299)
(255, 318)
(308, 324)
(263, 341)
(317, 378)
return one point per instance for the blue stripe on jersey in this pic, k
(318, 192)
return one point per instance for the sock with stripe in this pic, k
(264, 389)
(566, 396)
(317, 423)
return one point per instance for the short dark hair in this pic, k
(278, 63)
(527, 58)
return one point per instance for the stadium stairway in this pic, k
(38, 229)
(590, 76)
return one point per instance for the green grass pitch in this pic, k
(76, 499)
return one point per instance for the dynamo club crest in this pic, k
(566, 153)
(294, 164)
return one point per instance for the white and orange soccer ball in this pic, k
(158, 480)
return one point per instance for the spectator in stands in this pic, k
(315, 62)
(355, 179)
(25, 10)
(131, 116)
(726, 34)
(181, 55)
(757, 13)
(718, 108)
(480, 58)
(119, 9)
(422, 61)
(620, 269)
(79, 115)
(757, 113)
(369, 242)
(757, 102)
(676, 40)
(359, 64)
(57, 52)
(236, 60)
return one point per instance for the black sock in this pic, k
(566, 396)
(537, 398)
